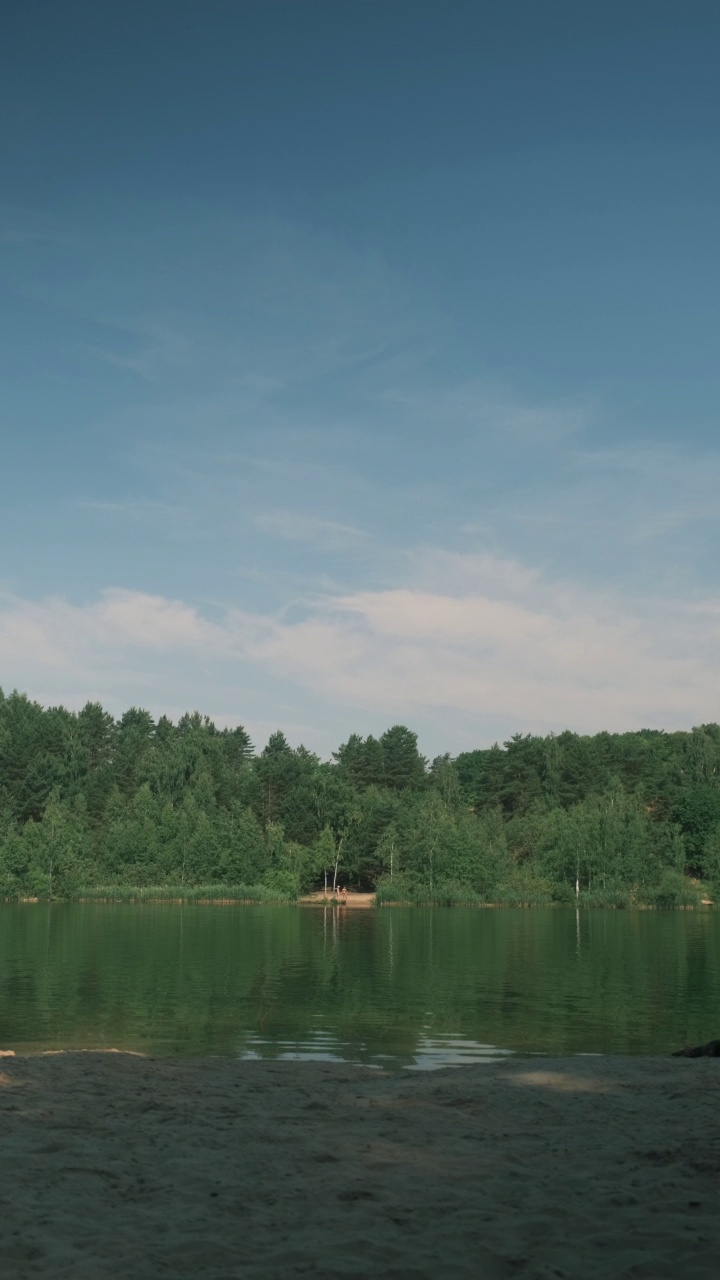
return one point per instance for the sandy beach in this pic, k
(124, 1166)
(353, 901)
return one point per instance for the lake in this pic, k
(389, 987)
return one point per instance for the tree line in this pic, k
(93, 804)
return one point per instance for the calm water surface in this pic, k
(389, 987)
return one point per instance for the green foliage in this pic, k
(133, 805)
(393, 761)
(698, 811)
(47, 858)
(709, 859)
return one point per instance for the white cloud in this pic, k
(565, 661)
(54, 633)
(495, 644)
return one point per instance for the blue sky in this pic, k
(359, 364)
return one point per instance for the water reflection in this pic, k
(385, 988)
(432, 1052)
(320, 1047)
(454, 1051)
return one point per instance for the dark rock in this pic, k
(709, 1050)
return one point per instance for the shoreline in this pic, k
(121, 1165)
(156, 895)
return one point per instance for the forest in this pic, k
(91, 806)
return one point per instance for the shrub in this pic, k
(564, 894)
(611, 895)
(282, 882)
(445, 893)
(672, 890)
(525, 890)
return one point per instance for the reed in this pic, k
(182, 893)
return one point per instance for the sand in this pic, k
(122, 1166)
(353, 900)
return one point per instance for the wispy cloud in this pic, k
(326, 534)
(149, 347)
(24, 228)
(492, 412)
(132, 508)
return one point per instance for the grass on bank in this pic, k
(184, 893)
(673, 890)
